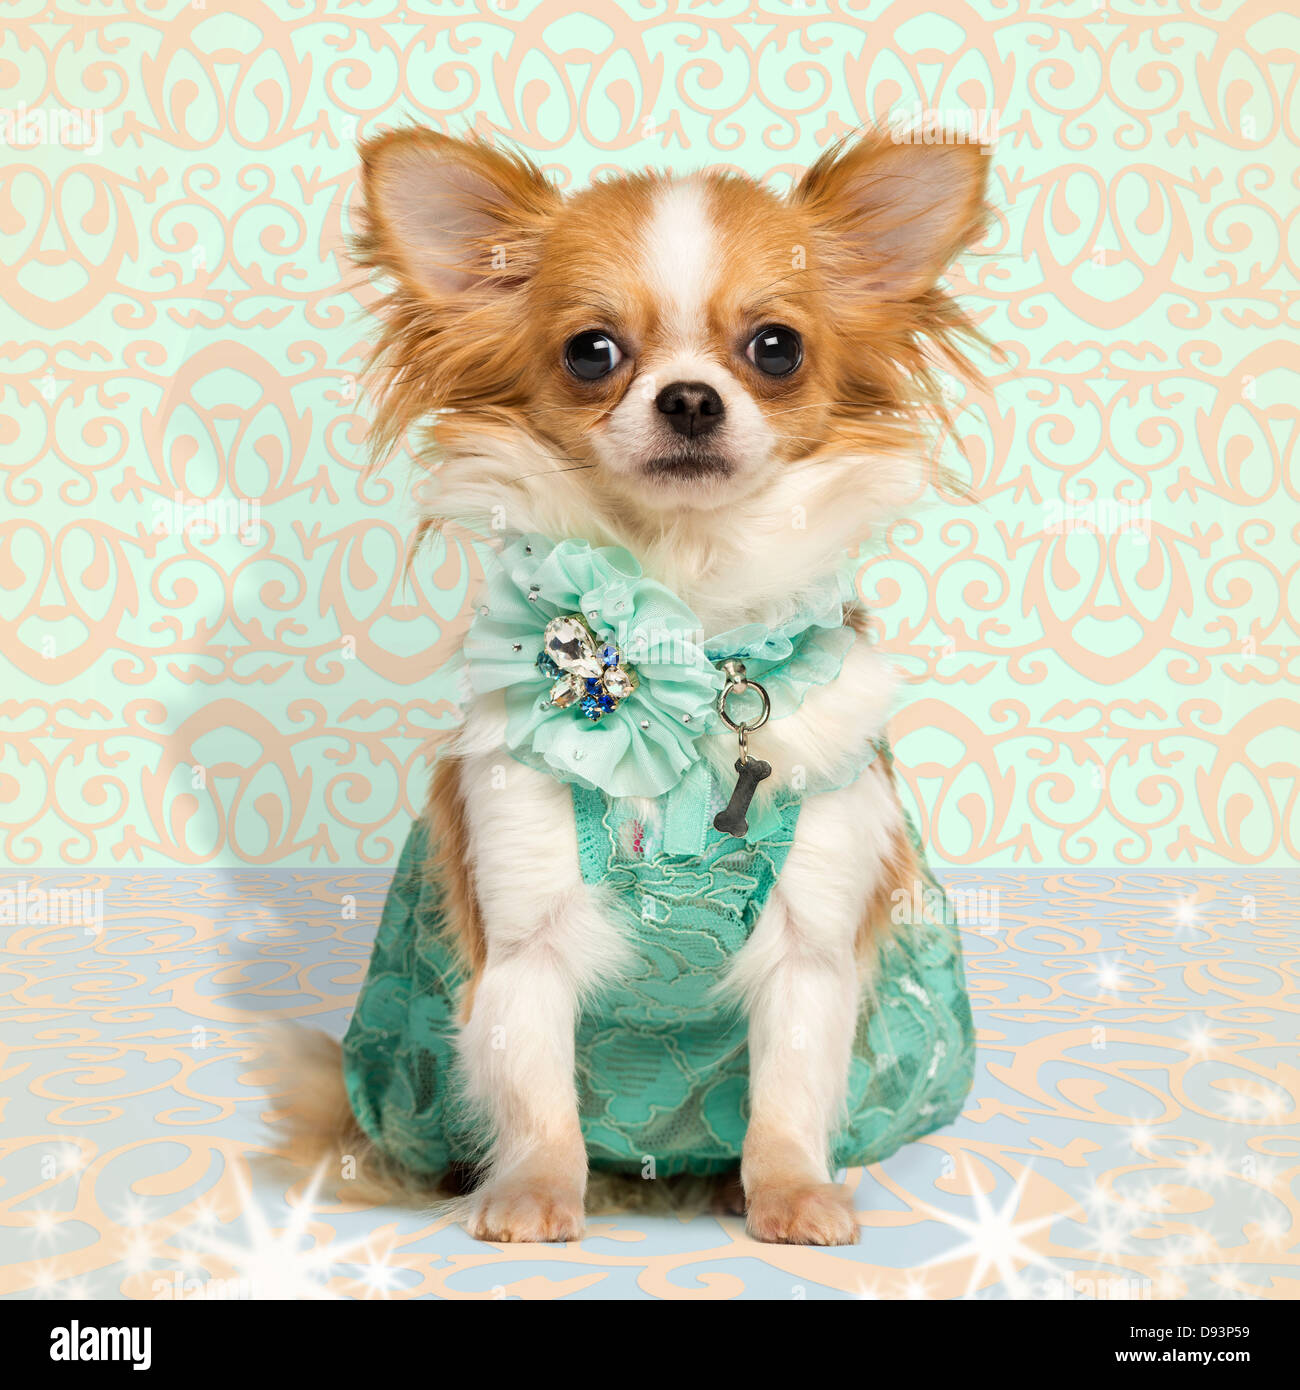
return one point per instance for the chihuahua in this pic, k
(732, 384)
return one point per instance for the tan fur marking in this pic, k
(901, 867)
(449, 862)
(898, 874)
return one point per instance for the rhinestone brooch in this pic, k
(588, 673)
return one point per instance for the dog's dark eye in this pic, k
(775, 350)
(592, 355)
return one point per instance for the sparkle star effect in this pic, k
(1141, 1135)
(44, 1223)
(1207, 1167)
(994, 1238)
(1272, 1232)
(1110, 976)
(133, 1214)
(70, 1160)
(1257, 1104)
(139, 1252)
(282, 1265)
(1184, 914)
(1115, 1216)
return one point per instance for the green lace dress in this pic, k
(661, 1068)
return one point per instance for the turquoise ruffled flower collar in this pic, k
(607, 678)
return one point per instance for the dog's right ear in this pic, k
(451, 217)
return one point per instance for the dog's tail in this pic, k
(314, 1128)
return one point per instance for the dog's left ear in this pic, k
(896, 215)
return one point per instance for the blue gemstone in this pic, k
(609, 654)
(590, 706)
(547, 667)
(606, 702)
(593, 685)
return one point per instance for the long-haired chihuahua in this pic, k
(731, 386)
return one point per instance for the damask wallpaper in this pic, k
(218, 688)
(210, 653)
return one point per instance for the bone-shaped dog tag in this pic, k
(731, 821)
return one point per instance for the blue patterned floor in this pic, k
(1133, 1131)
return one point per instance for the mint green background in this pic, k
(257, 193)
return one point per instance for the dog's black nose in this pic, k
(691, 407)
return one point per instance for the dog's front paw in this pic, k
(526, 1212)
(802, 1214)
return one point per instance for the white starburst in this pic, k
(1185, 914)
(1275, 1105)
(994, 1238)
(1271, 1232)
(379, 1277)
(1140, 1135)
(1195, 1248)
(1262, 1104)
(70, 1160)
(45, 1221)
(1264, 1175)
(139, 1252)
(1111, 1235)
(1153, 1198)
(280, 1264)
(1207, 1167)
(133, 1213)
(1238, 1105)
(1110, 976)
(205, 1216)
(1100, 1196)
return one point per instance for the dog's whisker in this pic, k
(552, 472)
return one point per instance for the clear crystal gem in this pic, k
(617, 682)
(564, 692)
(569, 645)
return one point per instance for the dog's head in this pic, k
(681, 340)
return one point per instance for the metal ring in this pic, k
(748, 725)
